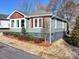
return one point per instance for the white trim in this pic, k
(25, 23)
(42, 22)
(63, 25)
(55, 23)
(33, 23)
(10, 23)
(14, 12)
(15, 24)
(19, 23)
(38, 22)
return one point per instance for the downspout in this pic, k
(50, 31)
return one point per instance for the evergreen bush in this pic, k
(74, 40)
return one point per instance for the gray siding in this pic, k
(36, 30)
(59, 26)
(56, 36)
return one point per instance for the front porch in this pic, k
(18, 23)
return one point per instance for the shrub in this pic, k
(23, 30)
(5, 33)
(31, 37)
(15, 34)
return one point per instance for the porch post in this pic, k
(10, 23)
(15, 24)
(19, 23)
(25, 23)
(50, 30)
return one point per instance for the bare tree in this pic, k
(36, 5)
(51, 5)
(31, 5)
(39, 7)
(67, 8)
(27, 5)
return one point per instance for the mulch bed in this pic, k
(35, 41)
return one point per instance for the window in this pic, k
(22, 23)
(36, 23)
(17, 23)
(55, 23)
(39, 22)
(12, 23)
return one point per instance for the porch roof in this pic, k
(59, 18)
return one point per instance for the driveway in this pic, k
(8, 52)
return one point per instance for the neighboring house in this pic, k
(4, 23)
(36, 22)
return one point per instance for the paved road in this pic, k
(7, 52)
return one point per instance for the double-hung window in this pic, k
(37, 22)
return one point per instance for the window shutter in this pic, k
(32, 22)
(43, 22)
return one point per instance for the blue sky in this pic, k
(7, 6)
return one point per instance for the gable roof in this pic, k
(14, 12)
(38, 14)
(34, 14)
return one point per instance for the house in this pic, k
(36, 23)
(4, 23)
